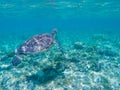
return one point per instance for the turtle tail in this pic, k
(16, 60)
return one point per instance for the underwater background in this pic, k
(88, 32)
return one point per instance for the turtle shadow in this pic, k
(47, 74)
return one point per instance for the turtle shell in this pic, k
(36, 44)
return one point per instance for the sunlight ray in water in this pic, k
(84, 7)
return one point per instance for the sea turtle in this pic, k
(36, 44)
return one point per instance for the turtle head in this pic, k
(54, 32)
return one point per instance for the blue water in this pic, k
(88, 31)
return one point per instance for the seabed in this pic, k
(88, 63)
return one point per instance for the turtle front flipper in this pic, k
(16, 60)
(59, 46)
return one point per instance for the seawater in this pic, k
(88, 32)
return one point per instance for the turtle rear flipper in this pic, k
(11, 54)
(4, 58)
(16, 60)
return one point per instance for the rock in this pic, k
(108, 53)
(100, 37)
(91, 48)
(40, 73)
(86, 88)
(79, 45)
